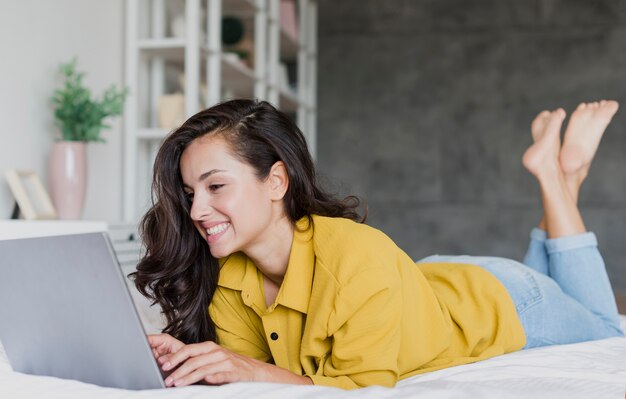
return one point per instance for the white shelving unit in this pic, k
(211, 73)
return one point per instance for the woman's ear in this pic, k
(278, 181)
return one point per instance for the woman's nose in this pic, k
(200, 208)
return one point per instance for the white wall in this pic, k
(35, 37)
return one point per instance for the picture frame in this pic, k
(32, 199)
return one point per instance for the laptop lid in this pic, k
(65, 311)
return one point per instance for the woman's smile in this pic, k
(216, 232)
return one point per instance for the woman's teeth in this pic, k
(217, 229)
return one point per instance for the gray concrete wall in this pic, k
(425, 111)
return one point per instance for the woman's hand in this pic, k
(209, 363)
(164, 344)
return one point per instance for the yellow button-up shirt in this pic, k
(354, 310)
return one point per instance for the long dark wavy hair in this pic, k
(178, 271)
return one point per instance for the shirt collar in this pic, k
(295, 290)
(232, 271)
(237, 272)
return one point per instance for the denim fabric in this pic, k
(536, 255)
(562, 295)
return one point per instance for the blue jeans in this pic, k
(562, 293)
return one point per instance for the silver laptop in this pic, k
(65, 311)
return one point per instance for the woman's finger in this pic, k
(158, 339)
(215, 373)
(220, 378)
(197, 376)
(196, 363)
(164, 343)
(187, 351)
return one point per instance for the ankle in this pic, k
(548, 173)
(573, 185)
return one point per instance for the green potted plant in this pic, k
(81, 119)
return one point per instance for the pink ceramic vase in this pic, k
(68, 178)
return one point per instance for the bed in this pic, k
(585, 370)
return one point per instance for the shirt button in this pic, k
(274, 336)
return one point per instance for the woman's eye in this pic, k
(215, 187)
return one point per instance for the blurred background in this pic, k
(423, 110)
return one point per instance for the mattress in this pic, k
(594, 369)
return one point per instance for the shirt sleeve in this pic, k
(365, 330)
(235, 327)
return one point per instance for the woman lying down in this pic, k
(264, 276)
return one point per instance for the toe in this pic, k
(554, 121)
(614, 105)
(560, 113)
(607, 110)
(539, 122)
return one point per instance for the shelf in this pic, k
(174, 48)
(162, 43)
(152, 133)
(12, 229)
(237, 76)
(171, 48)
(239, 8)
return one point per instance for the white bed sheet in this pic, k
(585, 370)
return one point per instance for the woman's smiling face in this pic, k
(230, 207)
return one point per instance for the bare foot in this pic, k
(537, 128)
(543, 155)
(582, 137)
